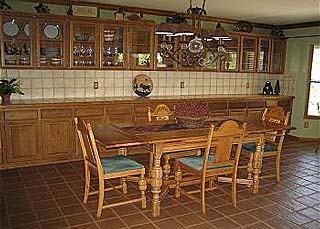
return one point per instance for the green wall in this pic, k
(297, 65)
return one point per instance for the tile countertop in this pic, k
(139, 99)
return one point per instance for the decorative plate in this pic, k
(142, 85)
(10, 28)
(26, 29)
(51, 31)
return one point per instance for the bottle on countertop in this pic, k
(277, 88)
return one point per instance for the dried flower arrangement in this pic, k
(190, 114)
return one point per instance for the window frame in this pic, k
(307, 97)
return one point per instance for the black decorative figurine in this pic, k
(268, 90)
(4, 5)
(42, 8)
(277, 88)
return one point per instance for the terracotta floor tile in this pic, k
(169, 223)
(87, 226)
(44, 214)
(244, 219)
(54, 223)
(113, 223)
(135, 219)
(224, 223)
(79, 219)
(190, 219)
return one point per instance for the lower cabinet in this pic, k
(58, 139)
(21, 141)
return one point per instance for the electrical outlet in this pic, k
(95, 85)
(247, 85)
(306, 124)
(181, 84)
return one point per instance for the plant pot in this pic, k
(6, 99)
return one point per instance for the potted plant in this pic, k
(8, 87)
(191, 114)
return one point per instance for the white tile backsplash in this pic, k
(39, 84)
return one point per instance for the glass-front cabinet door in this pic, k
(141, 47)
(84, 45)
(277, 55)
(17, 46)
(113, 46)
(248, 54)
(264, 48)
(51, 40)
(231, 62)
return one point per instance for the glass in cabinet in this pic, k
(231, 62)
(248, 53)
(113, 48)
(51, 43)
(264, 54)
(17, 50)
(141, 47)
(84, 45)
(165, 46)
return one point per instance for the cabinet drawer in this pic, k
(56, 113)
(256, 104)
(21, 115)
(120, 109)
(89, 111)
(217, 106)
(237, 105)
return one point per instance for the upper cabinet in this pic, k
(141, 41)
(231, 63)
(51, 44)
(248, 53)
(278, 55)
(113, 46)
(162, 58)
(17, 42)
(84, 45)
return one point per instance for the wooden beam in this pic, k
(299, 25)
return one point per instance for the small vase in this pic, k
(277, 88)
(6, 99)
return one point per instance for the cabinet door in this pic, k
(165, 46)
(84, 45)
(264, 48)
(113, 46)
(141, 47)
(51, 44)
(22, 139)
(17, 48)
(231, 63)
(278, 55)
(248, 53)
(58, 138)
(254, 115)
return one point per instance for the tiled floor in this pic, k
(50, 197)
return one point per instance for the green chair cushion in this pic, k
(251, 147)
(197, 161)
(119, 163)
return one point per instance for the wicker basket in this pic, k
(190, 122)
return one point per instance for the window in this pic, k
(313, 90)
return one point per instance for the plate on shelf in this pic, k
(26, 29)
(142, 85)
(51, 31)
(10, 28)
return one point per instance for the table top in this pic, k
(111, 136)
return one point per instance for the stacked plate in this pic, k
(50, 51)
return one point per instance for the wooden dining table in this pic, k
(173, 138)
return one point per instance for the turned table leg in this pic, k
(257, 163)
(156, 180)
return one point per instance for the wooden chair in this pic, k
(118, 166)
(208, 166)
(163, 114)
(273, 140)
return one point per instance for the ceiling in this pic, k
(276, 12)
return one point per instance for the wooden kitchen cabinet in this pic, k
(17, 46)
(278, 55)
(84, 40)
(52, 40)
(248, 53)
(263, 58)
(141, 47)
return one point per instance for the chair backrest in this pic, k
(162, 113)
(228, 134)
(277, 116)
(88, 143)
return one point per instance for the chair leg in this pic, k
(124, 185)
(203, 196)
(278, 167)
(150, 164)
(234, 190)
(101, 197)
(178, 178)
(87, 184)
(249, 166)
(142, 187)
(166, 167)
